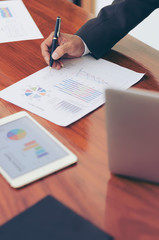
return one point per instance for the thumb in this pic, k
(60, 51)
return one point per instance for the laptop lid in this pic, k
(132, 122)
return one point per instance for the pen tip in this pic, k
(50, 69)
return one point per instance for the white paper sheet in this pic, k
(64, 96)
(16, 24)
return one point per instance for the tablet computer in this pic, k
(28, 151)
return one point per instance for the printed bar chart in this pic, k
(78, 90)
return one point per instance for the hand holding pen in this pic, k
(67, 46)
(55, 39)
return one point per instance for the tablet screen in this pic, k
(25, 147)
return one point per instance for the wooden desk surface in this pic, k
(124, 208)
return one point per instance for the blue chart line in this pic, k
(78, 90)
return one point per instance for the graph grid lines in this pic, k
(78, 90)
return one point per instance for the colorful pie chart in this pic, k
(35, 92)
(16, 134)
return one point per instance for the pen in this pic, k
(54, 40)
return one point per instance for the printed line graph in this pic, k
(82, 73)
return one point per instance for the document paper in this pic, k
(16, 24)
(66, 95)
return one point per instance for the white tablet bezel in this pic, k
(41, 171)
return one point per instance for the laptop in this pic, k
(132, 123)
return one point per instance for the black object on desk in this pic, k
(55, 39)
(50, 220)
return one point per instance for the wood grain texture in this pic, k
(125, 208)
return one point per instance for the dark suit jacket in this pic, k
(113, 23)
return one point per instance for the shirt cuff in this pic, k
(86, 50)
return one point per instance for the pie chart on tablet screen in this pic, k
(16, 134)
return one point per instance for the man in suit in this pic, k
(100, 34)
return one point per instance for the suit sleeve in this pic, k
(113, 22)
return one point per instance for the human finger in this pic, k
(45, 48)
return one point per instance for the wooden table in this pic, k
(126, 209)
